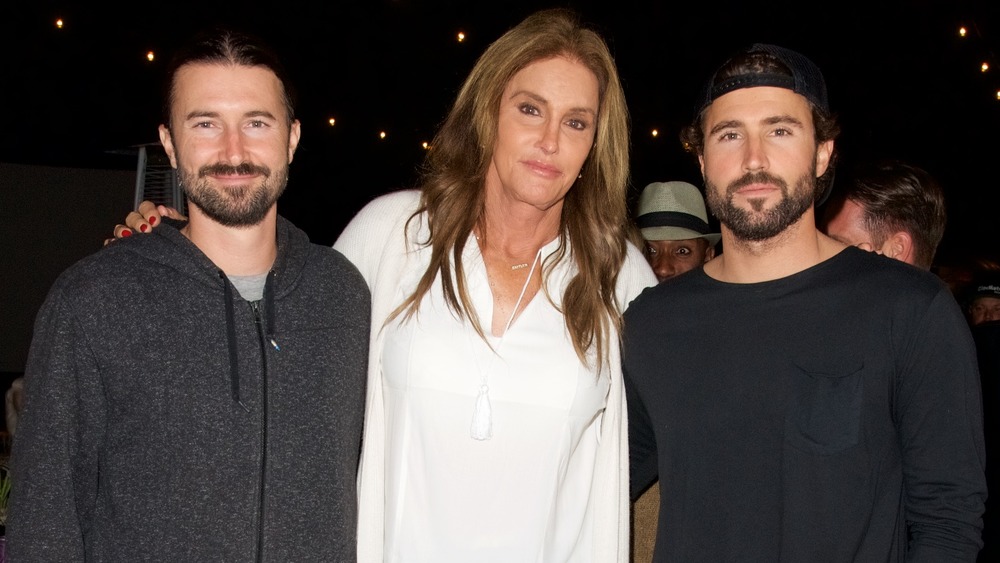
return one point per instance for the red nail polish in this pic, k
(152, 220)
(126, 233)
(143, 228)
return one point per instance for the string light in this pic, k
(985, 66)
(962, 31)
(461, 36)
(381, 135)
(332, 121)
(427, 145)
(150, 56)
(655, 133)
(59, 23)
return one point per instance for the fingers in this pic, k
(170, 212)
(149, 213)
(137, 223)
(121, 231)
(142, 220)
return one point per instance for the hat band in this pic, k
(672, 219)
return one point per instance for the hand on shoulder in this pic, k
(143, 220)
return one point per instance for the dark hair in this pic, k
(896, 196)
(758, 63)
(225, 46)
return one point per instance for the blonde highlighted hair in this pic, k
(594, 213)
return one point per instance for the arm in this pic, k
(641, 443)
(55, 452)
(938, 412)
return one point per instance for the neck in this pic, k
(517, 232)
(797, 248)
(237, 251)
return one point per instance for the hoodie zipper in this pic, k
(261, 338)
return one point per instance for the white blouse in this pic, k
(521, 495)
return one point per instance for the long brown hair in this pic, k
(594, 213)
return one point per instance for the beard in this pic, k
(244, 205)
(759, 224)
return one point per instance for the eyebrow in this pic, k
(773, 120)
(545, 102)
(214, 114)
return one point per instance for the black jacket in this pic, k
(168, 419)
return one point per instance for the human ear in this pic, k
(294, 132)
(899, 246)
(824, 151)
(168, 145)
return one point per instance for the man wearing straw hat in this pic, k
(674, 225)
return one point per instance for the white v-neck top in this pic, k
(523, 494)
(536, 466)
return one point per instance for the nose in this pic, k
(754, 158)
(548, 141)
(235, 148)
(664, 267)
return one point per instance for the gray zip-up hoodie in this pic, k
(168, 419)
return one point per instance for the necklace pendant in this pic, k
(519, 266)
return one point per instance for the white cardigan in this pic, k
(375, 242)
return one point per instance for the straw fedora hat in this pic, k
(673, 211)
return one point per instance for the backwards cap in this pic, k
(806, 78)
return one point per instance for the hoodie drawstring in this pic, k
(234, 357)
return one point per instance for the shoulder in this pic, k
(378, 232)
(886, 276)
(635, 275)
(377, 219)
(388, 208)
(335, 266)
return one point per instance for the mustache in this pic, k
(759, 177)
(241, 169)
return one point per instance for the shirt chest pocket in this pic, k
(824, 405)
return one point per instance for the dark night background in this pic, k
(901, 79)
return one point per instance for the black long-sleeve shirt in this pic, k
(833, 415)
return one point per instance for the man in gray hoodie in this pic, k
(197, 394)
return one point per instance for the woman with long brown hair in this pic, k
(494, 417)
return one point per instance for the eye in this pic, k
(202, 124)
(528, 109)
(684, 251)
(729, 136)
(782, 132)
(650, 251)
(578, 124)
(257, 123)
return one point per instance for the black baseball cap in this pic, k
(806, 79)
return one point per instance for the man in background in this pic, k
(674, 225)
(891, 208)
(196, 394)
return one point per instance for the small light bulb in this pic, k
(985, 66)
(381, 134)
(59, 23)
(962, 31)
(150, 56)
(655, 132)
(426, 145)
(461, 36)
(332, 121)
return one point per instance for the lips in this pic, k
(543, 169)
